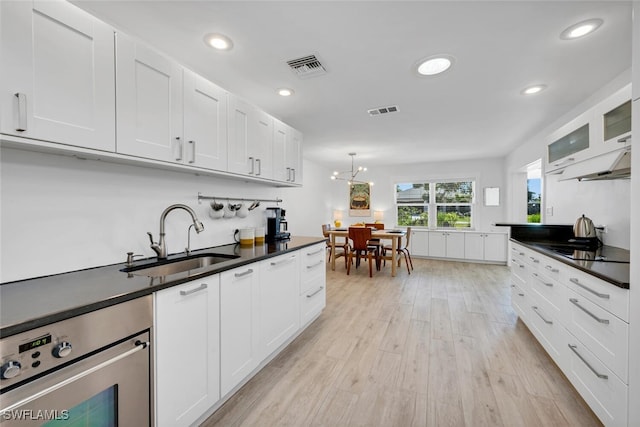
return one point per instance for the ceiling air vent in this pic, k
(307, 66)
(383, 110)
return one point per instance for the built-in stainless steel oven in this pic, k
(89, 370)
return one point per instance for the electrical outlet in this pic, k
(549, 211)
(605, 230)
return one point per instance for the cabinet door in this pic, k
(419, 243)
(455, 245)
(261, 140)
(437, 244)
(474, 246)
(187, 349)
(279, 301)
(495, 247)
(149, 103)
(239, 154)
(238, 326)
(205, 123)
(293, 156)
(57, 74)
(280, 135)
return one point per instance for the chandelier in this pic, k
(350, 176)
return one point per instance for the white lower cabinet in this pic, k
(485, 246)
(313, 292)
(239, 343)
(445, 244)
(581, 321)
(187, 352)
(279, 312)
(419, 243)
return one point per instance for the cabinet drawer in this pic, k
(553, 269)
(519, 268)
(313, 263)
(547, 328)
(312, 301)
(606, 295)
(603, 391)
(604, 334)
(519, 301)
(550, 291)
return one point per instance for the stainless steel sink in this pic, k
(192, 265)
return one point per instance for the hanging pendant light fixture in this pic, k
(350, 176)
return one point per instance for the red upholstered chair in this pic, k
(359, 237)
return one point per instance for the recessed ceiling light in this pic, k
(218, 41)
(433, 65)
(285, 91)
(531, 90)
(581, 29)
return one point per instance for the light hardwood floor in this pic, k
(439, 347)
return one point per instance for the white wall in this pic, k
(60, 213)
(605, 202)
(486, 172)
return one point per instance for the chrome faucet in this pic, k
(160, 248)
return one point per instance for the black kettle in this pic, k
(584, 228)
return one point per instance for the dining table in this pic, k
(394, 235)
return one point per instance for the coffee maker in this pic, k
(276, 225)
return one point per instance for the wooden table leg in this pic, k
(394, 249)
(333, 252)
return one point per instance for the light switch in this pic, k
(549, 211)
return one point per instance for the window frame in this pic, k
(432, 206)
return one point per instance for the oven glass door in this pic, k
(108, 389)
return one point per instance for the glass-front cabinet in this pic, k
(617, 124)
(569, 144)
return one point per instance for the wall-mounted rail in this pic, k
(239, 199)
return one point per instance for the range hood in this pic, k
(613, 165)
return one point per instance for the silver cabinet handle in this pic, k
(575, 302)
(542, 281)
(599, 375)
(194, 290)
(294, 175)
(193, 152)
(535, 309)
(551, 269)
(252, 160)
(586, 288)
(569, 160)
(316, 252)
(288, 174)
(315, 265)
(20, 105)
(516, 262)
(249, 271)
(320, 289)
(259, 162)
(180, 149)
(284, 261)
(535, 260)
(521, 295)
(624, 139)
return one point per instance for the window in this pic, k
(446, 204)
(534, 191)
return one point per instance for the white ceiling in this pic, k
(369, 48)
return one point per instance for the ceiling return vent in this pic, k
(382, 110)
(307, 66)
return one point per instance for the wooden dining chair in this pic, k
(342, 246)
(403, 248)
(359, 237)
(375, 241)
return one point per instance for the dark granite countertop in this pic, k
(616, 273)
(27, 304)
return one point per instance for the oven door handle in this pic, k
(139, 345)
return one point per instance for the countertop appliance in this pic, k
(93, 367)
(277, 226)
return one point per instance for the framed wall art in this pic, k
(360, 199)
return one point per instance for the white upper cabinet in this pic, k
(149, 95)
(205, 123)
(250, 142)
(57, 74)
(287, 153)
